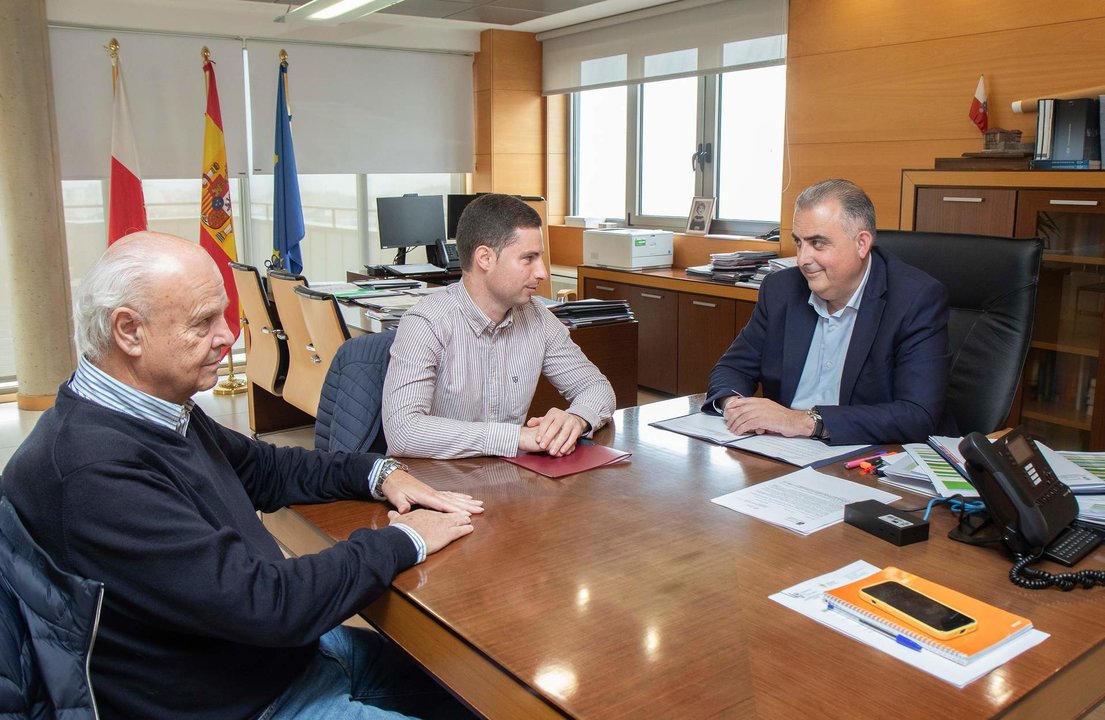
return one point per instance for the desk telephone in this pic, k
(1032, 509)
(444, 255)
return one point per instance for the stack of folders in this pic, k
(384, 313)
(733, 267)
(584, 313)
(992, 629)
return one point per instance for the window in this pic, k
(669, 132)
(750, 172)
(733, 122)
(600, 142)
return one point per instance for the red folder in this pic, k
(585, 457)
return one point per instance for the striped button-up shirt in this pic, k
(459, 384)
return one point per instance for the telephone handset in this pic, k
(1028, 502)
(444, 255)
(1032, 508)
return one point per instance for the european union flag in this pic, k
(287, 208)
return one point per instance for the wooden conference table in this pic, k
(624, 592)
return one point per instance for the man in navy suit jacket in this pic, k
(849, 347)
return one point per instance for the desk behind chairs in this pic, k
(48, 623)
(267, 354)
(991, 285)
(305, 375)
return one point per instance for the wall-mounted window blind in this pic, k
(165, 94)
(692, 37)
(357, 110)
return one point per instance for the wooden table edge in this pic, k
(482, 684)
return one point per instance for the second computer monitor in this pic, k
(456, 205)
(410, 220)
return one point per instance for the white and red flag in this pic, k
(978, 106)
(126, 205)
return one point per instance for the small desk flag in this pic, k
(126, 204)
(216, 221)
(287, 208)
(978, 106)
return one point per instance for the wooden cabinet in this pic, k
(681, 334)
(705, 332)
(1062, 382)
(981, 211)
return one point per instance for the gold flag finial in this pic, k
(113, 48)
(283, 56)
(205, 53)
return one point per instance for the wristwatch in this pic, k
(387, 467)
(818, 424)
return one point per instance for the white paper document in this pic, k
(803, 501)
(805, 598)
(699, 425)
(796, 451)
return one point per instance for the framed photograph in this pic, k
(698, 220)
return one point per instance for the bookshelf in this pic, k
(1062, 381)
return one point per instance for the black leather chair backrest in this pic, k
(991, 284)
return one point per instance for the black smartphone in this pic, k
(919, 610)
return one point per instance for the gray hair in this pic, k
(856, 209)
(124, 276)
(492, 220)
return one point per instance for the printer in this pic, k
(627, 248)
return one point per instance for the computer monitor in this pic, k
(455, 206)
(409, 221)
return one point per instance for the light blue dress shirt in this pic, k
(821, 375)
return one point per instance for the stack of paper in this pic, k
(901, 470)
(946, 478)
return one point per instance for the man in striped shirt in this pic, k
(465, 361)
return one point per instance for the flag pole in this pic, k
(232, 384)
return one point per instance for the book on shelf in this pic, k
(994, 627)
(1067, 135)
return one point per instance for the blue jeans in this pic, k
(361, 675)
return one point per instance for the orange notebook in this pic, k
(994, 625)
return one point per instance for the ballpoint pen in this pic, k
(895, 636)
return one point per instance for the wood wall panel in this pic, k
(921, 90)
(556, 185)
(514, 56)
(557, 123)
(518, 123)
(518, 174)
(877, 87)
(482, 129)
(481, 64)
(874, 166)
(817, 26)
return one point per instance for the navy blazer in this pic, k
(895, 376)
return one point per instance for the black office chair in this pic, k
(348, 416)
(48, 623)
(991, 285)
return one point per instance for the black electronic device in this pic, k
(889, 523)
(454, 206)
(444, 255)
(919, 610)
(409, 221)
(1030, 506)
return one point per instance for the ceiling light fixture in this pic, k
(334, 12)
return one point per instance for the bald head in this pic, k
(132, 273)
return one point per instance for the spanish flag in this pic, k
(216, 223)
(126, 205)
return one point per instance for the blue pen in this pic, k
(897, 637)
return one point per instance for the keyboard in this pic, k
(1072, 545)
(414, 269)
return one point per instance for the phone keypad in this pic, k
(1072, 545)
